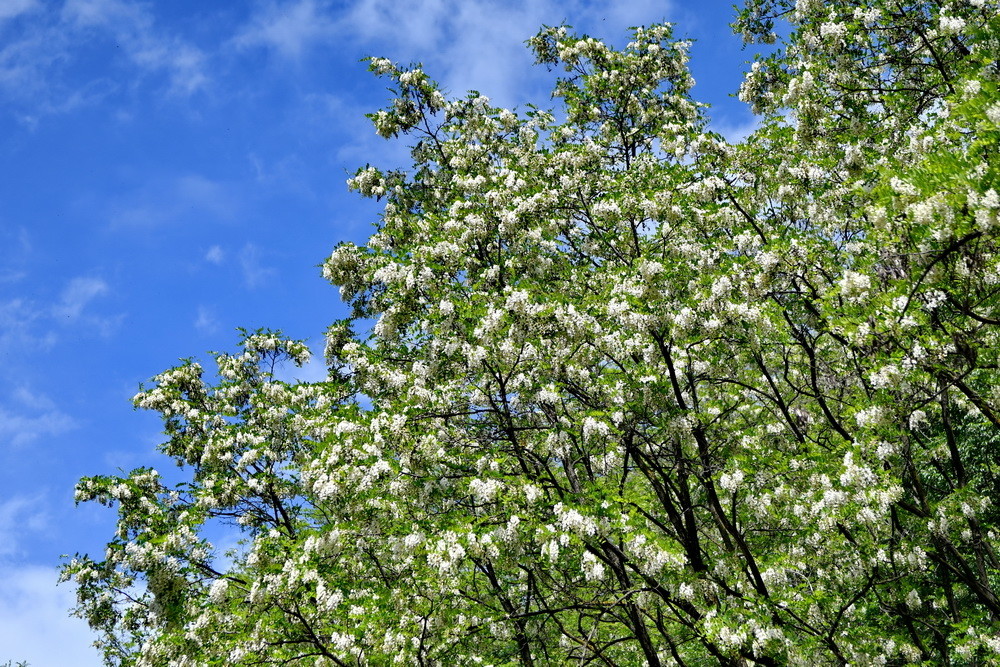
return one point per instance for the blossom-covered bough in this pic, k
(633, 394)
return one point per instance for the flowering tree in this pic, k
(633, 394)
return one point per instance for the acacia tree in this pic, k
(633, 394)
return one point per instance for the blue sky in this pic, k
(172, 170)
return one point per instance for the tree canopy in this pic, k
(614, 390)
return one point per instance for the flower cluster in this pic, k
(614, 389)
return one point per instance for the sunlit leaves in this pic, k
(615, 391)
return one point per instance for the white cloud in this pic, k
(16, 243)
(30, 416)
(255, 274)
(27, 326)
(75, 297)
(11, 276)
(21, 427)
(314, 371)
(206, 322)
(480, 43)
(11, 8)
(212, 197)
(289, 28)
(27, 64)
(735, 132)
(37, 59)
(215, 255)
(462, 43)
(100, 12)
(35, 625)
(21, 327)
(416, 26)
(173, 199)
(17, 516)
(30, 399)
(184, 63)
(134, 29)
(77, 294)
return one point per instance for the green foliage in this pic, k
(633, 394)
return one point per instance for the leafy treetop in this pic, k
(631, 393)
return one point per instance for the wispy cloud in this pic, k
(215, 255)
(31, 400)
(34, 622)
(480, 43)
(11, 8)
(76, 295)
(28, 417)
(28, 325)
(19, 515)
(173, 199)
(101, 12)
(289, 28)
(40, 57)
(15, 251)
(28, 63)
(23, 327)
(313, 371)
(463, 43)
(255, 274)
(72, 306)
(134, 29)
(210, 196)
(736, 131)
(206, 322)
